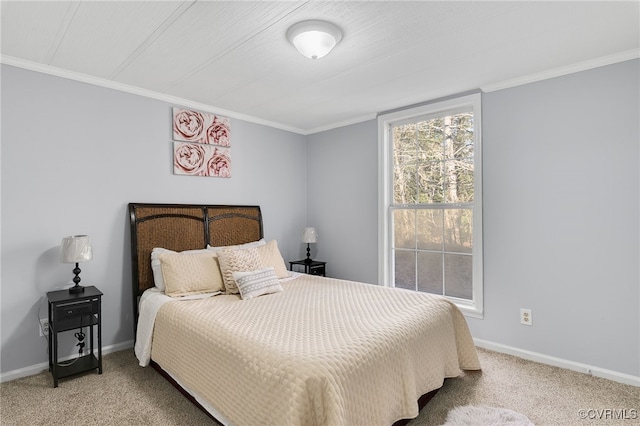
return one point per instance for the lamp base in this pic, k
(76, 289)
(308, 259)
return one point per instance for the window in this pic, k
(431, 200)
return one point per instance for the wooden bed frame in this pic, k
(182, 227)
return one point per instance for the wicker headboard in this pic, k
(182, 227)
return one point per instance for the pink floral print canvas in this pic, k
(200, 127)
(204, 144)
(197, 159)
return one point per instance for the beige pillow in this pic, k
(156, 267)
(257, 283)
(194, 273)
(270, 256)
(240, 260)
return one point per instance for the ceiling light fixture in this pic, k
(314, 38)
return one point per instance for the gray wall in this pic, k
(561, 198)
(342, 197)
(73, 156)
(561, 221)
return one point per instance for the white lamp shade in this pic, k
(76, 249)
(314, 39)
(309, 235)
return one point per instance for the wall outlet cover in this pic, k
(44, 327)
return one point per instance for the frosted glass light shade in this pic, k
(309, 235)
(314, 39)
(75, 249)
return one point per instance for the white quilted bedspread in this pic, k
(322, 352)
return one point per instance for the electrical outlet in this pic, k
(525, 316)
(44, 327)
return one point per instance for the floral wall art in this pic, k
(202, 144)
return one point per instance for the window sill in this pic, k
(468, 308)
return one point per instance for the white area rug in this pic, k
(470, 415)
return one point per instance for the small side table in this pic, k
(314, 267)
(69, 312)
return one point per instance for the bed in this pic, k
(311, 351)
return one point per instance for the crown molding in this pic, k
(491, 87)
(339, 124)
(558, 72)
(71, 75)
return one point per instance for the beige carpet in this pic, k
(126, 394)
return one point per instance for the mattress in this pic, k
(321, 352)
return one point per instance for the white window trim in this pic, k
(472, 308)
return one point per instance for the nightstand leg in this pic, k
(100, 338)
(54, 370)
(91, 341)
(49, 338)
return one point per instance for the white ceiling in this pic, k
(233, 57)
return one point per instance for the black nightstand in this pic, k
(312, 268)
(68, 312)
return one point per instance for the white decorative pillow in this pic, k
(257, 283)
(236, 261)
(155, 264)
(258, 243)
(270, 256)
(187, 274)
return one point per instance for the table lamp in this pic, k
(309, 235)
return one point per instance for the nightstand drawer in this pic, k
(317, 270)
(75, 309)
(311, 267)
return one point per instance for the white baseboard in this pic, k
(38, 368)
(616, 376)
